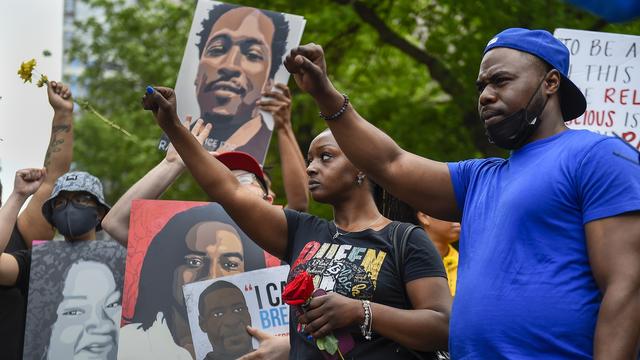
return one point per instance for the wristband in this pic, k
(339, 113)
(365, 328)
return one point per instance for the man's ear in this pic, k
(552, 82)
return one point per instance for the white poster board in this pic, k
(262, 293)
(606, 68)
(27, 28)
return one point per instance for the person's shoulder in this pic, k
(490, 161)
(303, 217)
(589, 144)
(475, 164)
(21, 254)
(580, 139)
(472, 167)
(398, 229)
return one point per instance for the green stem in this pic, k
(85, 105)
(340, 353)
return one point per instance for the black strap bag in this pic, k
(399, 235)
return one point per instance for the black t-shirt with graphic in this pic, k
(358, 265)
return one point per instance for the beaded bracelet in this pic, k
(365, 328)
(339, 113)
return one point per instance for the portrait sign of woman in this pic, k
(88, 317)
(75, 301)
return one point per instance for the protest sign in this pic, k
(75, 297)
(606, 68)
(173, 243)
(233, 54)
(219, 311)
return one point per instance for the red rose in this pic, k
(299, 290)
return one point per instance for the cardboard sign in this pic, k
(173, 243)
(219, 311)
(75, 297)
(233, 54)
(606, 68)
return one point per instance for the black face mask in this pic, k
(74, 220)
(514, 130)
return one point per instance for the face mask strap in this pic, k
(526, 108)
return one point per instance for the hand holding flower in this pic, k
(330, 312)
(60, 97)
(302, 295)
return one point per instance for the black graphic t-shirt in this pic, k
(359, 265)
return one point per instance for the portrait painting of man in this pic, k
(224, 316)
(173, 243)
(234, 54)
(219, 310)
(75, 300)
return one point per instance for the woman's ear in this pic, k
(424, 219)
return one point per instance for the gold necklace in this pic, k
(338, 233)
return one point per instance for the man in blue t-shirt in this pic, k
(550, 239)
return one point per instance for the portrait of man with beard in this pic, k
(223, 316)
(240, 51)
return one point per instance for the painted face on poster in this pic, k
(74, 304)
(88, 317)
(233, 54)
(171, 244)
(224, 316)
(219, 311)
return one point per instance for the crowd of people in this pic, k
(549, 238)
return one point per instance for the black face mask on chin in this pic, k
(514, 130)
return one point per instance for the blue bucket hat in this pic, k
(545, 46)
(75, 181)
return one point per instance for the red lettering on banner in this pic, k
(608, 93)
(596, 118)
(623, 97)
(610, 116)
(629, 136)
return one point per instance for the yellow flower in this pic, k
(43, 80)
(26, 70)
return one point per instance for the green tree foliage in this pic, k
(409, 67)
